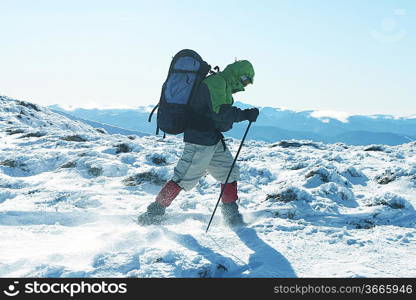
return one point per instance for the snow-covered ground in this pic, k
(69, 195)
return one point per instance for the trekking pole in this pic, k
(228, 177)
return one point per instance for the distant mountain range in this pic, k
(276, 124)
(109, 128)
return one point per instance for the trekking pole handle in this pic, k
(228, 176)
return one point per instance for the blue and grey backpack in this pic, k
(186, 72)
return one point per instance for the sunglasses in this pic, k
(245, 80)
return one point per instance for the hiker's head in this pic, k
(239, 74)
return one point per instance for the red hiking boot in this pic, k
(230, 192)
(168, 193)
(156, 210)
(229, 207)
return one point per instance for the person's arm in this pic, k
(226, 116)
(229, 114)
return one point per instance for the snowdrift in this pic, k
(69, 194)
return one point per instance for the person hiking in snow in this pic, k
(205, 150)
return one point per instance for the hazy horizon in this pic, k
(318, 113)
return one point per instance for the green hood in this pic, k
(227, 82)
(233, 72)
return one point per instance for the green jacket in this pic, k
(223, 84)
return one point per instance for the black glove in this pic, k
(251, 114)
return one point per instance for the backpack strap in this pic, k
(214, 71)
(151, 114)
(222, 139)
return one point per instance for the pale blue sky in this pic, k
(355, 56)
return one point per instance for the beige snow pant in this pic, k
(197, 160)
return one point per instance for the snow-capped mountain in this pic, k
(69, 194)
(127, 118)
(276, 124)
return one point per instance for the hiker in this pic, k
(205, 148)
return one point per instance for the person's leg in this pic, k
(192, 165)
(189, 169)
(220, 165)
(219, 168)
